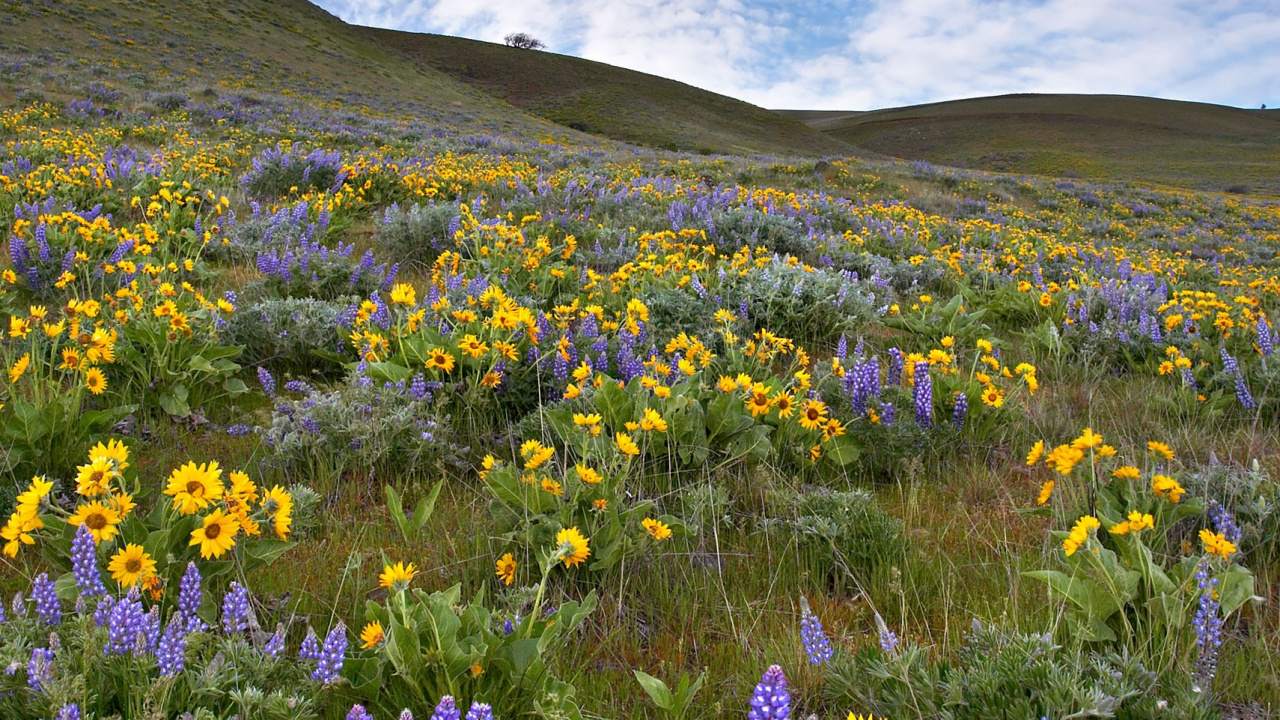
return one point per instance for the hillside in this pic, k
(236, 46)
(1100, 137)
(614, 102)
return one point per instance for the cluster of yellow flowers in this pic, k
(195, 488)
(1215, 543)
(76, 343)
(1137, 522)
(25, 518)
(1080, 534)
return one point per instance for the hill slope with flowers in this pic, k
(611, 101)
(319, 405)
(1095, 137)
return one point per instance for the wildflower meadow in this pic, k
(316, 407)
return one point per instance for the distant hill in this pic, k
(235, 46)
(614, 102)
(1100, 137)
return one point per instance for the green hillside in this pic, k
(235, 46)
(611, 101)
(1091, 136)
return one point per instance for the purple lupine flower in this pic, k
(959, 410)
(887, 414)
(190, 596)
(405, 714)
(1242, 392)
(332, 655)
(148, 633)
(888, 640)
(1266, 344)
(103, 612)
(479, 711)
(1223, 522)
(923, 394)
(268, 383)
(895, 366)
(70, 711)
(124, 623)
(358, 712)
(43, 594)
(870, 376)
(842, 348)
(275, 645)
(1229, 363)
(446, 710)
(771, 699)
(171, 652)
(84, 563)
(418, 388)
(235, 609)
(310, 649)
(239, 430)
(40, 669)
(816, 644)
(1208, 627)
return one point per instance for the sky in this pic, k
(869, 54)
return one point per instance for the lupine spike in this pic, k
(771, 699)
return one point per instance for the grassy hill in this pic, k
(611, 101)
(296, 47)
(236, 46)
(1092, 136)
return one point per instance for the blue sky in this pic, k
(866, 54)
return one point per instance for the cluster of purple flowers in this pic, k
(959, 410)
(816, 644)
(446, 709)
(329, 658)
(133, 629)
(922, 392)
(235, 610)
(1208, 626)
(1232, 367)
(771, 699)
(84, 564)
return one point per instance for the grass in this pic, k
(1096, 137)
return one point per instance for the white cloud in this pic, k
(881, 53)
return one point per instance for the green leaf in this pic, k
(174, 405)
(267, 550)
(426, 507)
(200, 364)
(396, 509)
(656, 690)
(755, 443)
(613, 403)
(843, 450)
(726, 418)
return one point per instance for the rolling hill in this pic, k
(1102, 137)
(614, 102)
(295, 47)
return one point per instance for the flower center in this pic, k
(133, 565)
(96, 521)
(213, 531)
(195, 487)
